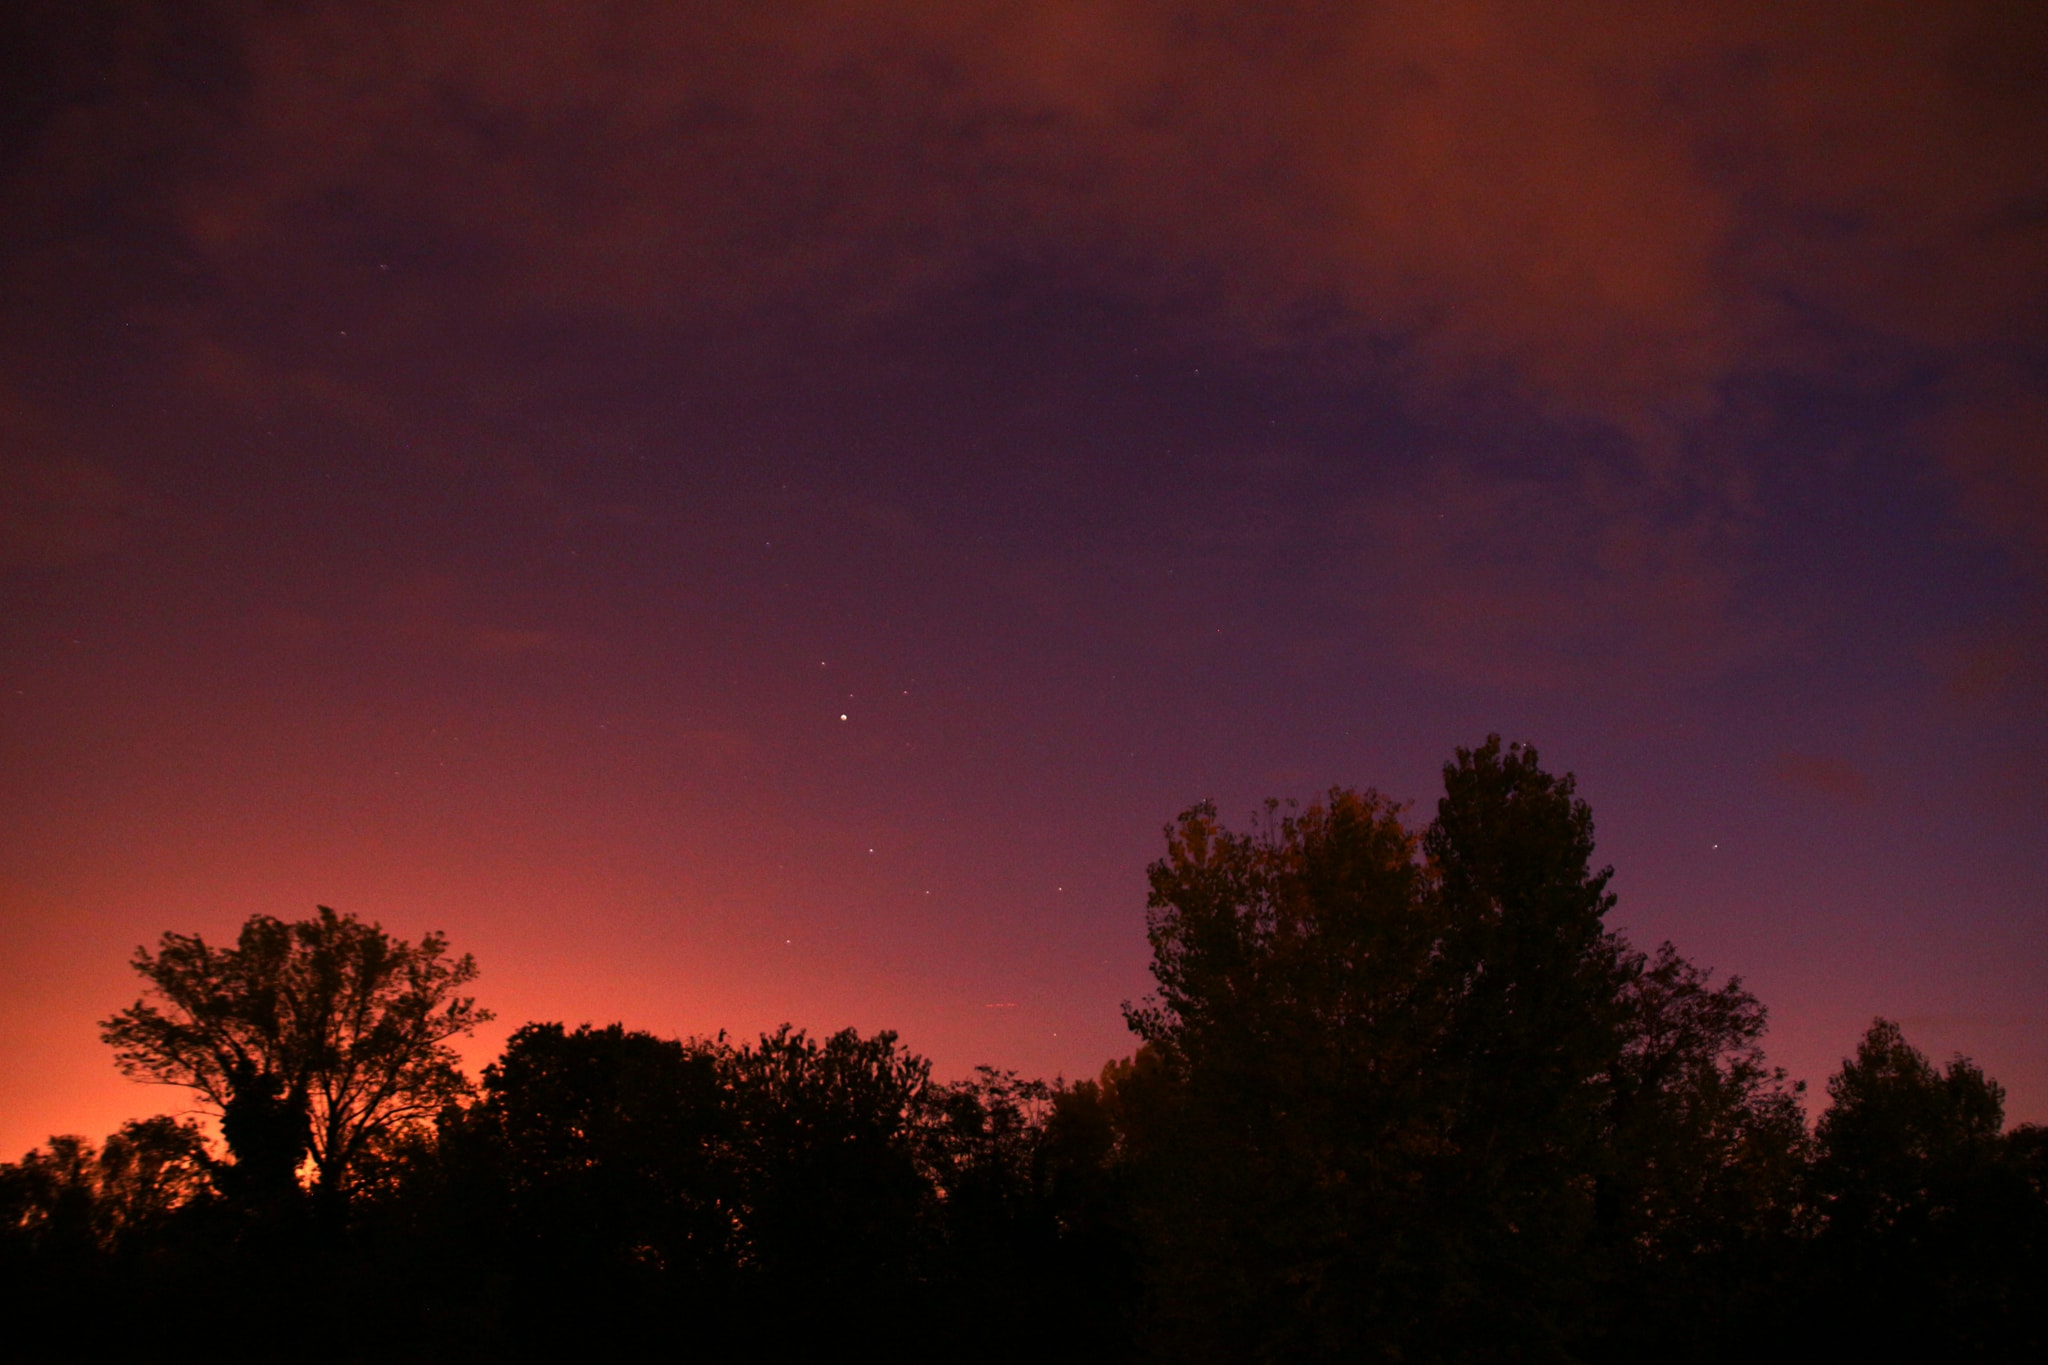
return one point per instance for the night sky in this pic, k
(755, 512)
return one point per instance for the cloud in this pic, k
(439, 611)
(1993, 435)
(716, 748)
(1831, 779)
(505, 641)
(1554, 584)
(1611, 213)
(57, 507)
(61, 512)
(1986, 667)
(432, 611)
(1606, 197)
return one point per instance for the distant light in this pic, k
(842, 715)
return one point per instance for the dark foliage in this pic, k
(1401, 1095)
(318, 1038)
(1935, 1234)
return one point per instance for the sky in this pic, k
(744, 513)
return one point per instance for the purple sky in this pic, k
(461, 463)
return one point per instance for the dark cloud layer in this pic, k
(1609, 216)
(1627, 204)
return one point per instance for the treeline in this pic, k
(1400, 1095)
(606, 1190)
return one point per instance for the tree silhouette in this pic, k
(1936, 1234)
(313, 1037)
(70, 1196)
(626, 1185)
(1296, 1014)
(1901, 1138)
(608, 1147)
(826, 1146)
(1401, 1094)
(1709, 1141)
(1412, 1096)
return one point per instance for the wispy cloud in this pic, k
(1832, 779)
(58, 506)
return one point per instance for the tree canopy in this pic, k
(309, 1038)
(1420, 1095)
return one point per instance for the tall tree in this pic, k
(1411, 1095)
(1709, 1140)
(1531, 969)
(1935, 1241)
(1698, 1182)
(1293, 1088)
(1902, 1138)
(1534, 981)
(309, 1038)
